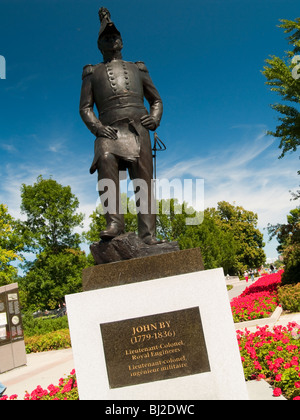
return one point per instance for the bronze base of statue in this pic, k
(127, 246)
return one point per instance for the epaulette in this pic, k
(88, 69)
(142, 66)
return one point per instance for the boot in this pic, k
(111, 232)
(151, 240)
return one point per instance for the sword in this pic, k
(159, 146)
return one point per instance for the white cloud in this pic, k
(8, 148)
(23, 84)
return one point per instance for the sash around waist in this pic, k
(121, 101)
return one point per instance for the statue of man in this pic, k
(118, 89)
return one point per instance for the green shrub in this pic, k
(289, 297)
(291, 273)
(55, 340)
(39, 326)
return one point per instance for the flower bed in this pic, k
(271, 355)
(65, 390)
(258, 300)
(274, 356)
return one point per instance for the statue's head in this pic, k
(109, 39)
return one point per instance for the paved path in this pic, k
(238, 288)
(42, 369)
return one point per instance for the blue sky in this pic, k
(205, 58)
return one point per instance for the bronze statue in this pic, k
(118, 89)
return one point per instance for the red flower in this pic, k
(277, 392)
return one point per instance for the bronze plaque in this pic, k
(154, 348)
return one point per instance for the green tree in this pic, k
(218, 248)
(49, 232)
(51, 216)
(51, 277)
(288, 236)
(228, 236)
(242, 224)
(10, 247)
(282, 79)
(172, 217)
(288, 233)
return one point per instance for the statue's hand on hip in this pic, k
(149, 122)
(107, 131)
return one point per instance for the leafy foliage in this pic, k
(52, 276)
(228, 236)
(289, 297)
(49, 231)
(288, 236)
(280, 80)
(39, 326)
(10, 247)
(51, 216)
(241, 224)
(55, 340)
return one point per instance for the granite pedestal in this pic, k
(171, 338)
(141, 269)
